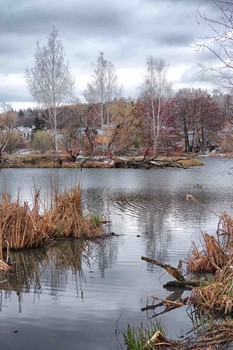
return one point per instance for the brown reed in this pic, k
(66, 218)
(210, 258)
(25, 227)
(217, 295)
(20, 227)
(225, 225)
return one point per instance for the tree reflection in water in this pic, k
(54, 266)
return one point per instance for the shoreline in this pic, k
(48, 161)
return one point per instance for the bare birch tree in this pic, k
(102, 91)
(103, 88)
(50, 81)
(154, 92)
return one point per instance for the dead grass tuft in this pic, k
(218, 295)
(20, 227)
(190, 162)
(24, 227)
(67, 220)
(225, 225)
(210, 258)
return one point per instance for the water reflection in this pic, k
(53, 267)
(73, 288)
(157, 215)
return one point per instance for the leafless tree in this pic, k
(154, 92)
(102, 91)
(7, 133)
(198, 117)
(220, 40)
(103, 88)
(50, 81)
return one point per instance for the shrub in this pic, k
(42, 141)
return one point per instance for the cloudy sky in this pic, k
(127, 31)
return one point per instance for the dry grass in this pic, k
(190, 162)
(38, 161)
(215, 338)
(20, 226)
(215, 257)
(24, 227)
(210, 258)
(184, 161)
(218, 295)
(225, 225)
(48, 161)
(66, 218)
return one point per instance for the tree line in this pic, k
(159, 120)
(190, 120)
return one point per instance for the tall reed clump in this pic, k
(208, 259)
(217, 296)
(22, 226)
(66, 218)
(216, 257)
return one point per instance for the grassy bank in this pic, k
(216, 337)
(49, 161)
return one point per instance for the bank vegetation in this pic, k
(25, 226)
(207, 274)
(35, 160)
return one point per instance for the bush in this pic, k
(42, 141)
(13, 143)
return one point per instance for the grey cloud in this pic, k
(12, 92)
(194, 76)
(35, 17)
(126, 31)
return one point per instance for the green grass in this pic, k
(96, 220)
(136, 338)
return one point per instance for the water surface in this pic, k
(76, 295)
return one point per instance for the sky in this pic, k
(126, 31)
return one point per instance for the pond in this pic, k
(81, 295)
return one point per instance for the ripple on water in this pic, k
(60, 305)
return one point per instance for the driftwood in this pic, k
(158, 340)
(180, 282)
(172, 302)
(174, 272)
(146, 163)
(177, 295)
(183, 284)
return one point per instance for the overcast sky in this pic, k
(127, 31)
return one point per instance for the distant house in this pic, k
(99, 137)
(104, 134)
(25, 132)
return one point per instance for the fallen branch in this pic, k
(170, 303)
(183, 284)
(170, 269)
(177, 295)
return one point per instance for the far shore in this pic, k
(50, 161)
